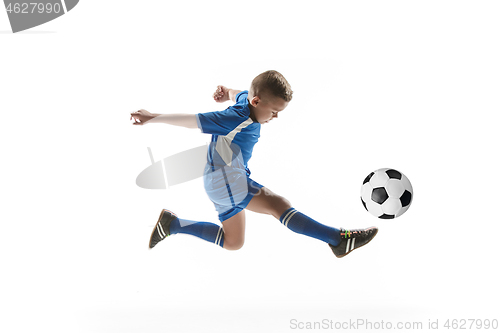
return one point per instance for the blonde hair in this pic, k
(273, 83)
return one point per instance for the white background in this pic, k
(407, 85)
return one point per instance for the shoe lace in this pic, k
(349, 233)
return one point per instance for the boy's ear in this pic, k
(255, 100)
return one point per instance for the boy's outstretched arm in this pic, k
(223, 94)
(142, 117)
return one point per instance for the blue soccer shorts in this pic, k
(230, 189)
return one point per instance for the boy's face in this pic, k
(266, 108)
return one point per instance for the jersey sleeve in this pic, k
(219, 122)
(241, 96)
(223, 122)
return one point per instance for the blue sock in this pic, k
(305, 225)
(210, 232)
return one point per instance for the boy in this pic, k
(227, 180)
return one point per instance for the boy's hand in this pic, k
(221, 94)
(141, 116)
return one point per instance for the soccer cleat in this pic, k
(353, 239)
(162, 227)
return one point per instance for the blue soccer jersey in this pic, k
(233, 132)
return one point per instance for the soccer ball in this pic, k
(386, 193)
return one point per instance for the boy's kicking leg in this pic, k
(341, 241)
(231, 236)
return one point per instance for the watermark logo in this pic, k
(173, 170)
(24, 15)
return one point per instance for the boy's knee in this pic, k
(285, 203)
(280, 205)
(233, 245)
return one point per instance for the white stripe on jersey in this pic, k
(223, 146)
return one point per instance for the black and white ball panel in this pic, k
(386, 193)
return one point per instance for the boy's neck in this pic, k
(252, 112)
